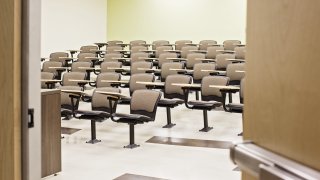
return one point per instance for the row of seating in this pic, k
(175, 82)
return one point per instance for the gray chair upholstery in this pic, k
(235, 77)
(213, 51)
(106, 65)
(138, 56)
(163, 58)
(187, 50)
(72, 76)
(112, 57)
(111, 76)
(192, 59)
(240, 52)
(221, 62)
(46, 75)
(165, 69)
(198, 74)
(162, 49)
(231, 44)
(47, 66)
(59, 57)
(141, 111)
(140, 64)
(181, 43)
(76, 66)
(204, 44)
(89, 49)
(138, 49)
(158, 43)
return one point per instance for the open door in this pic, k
(282, 111)
(31, 97)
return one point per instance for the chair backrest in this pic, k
(166, 69)
(135, 67)
(172, 91)
(242, 85)
(137, 43)
(138, 56)
(65, 99)
(106, 65)
(198, 74)
(158, 43)
(46, 75)
(114, 43)
(58, 57)
(133, 85)
(162, 49)
(138, 49)
(100, 102)
(140, 105)
(181, 43)
(88, 49)
(221, 62)
(47, 64)
(72, 76)
(230, 44)
(111, 76)
(86, 57)
(235, 77)
(111, 57)
(76, 66)
(204, 44)
(213, 51)
(163, 58)
(187, 50)
(192, 59)
(113, 49)
(213, 94)
(240, 52)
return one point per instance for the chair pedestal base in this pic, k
(206, 129)
(169, 125)
(93, 141)
(131, 146)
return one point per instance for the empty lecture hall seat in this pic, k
(210, 97)
(167, 69)
(222, 62)
(141, 111)
(181, 43)
(230, 44)
(213, 51)
(204, 44)
(100, 110)
(46, 76)
(158, 43)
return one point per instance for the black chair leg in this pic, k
(169, 124)
(93, 133)
(206, 128)
(197, 95)
(132, 144)
(230, 97)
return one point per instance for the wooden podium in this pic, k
(50, 132)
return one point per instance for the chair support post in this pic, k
(131, 135)
(93, 133)
(169, 124)
(206, 128)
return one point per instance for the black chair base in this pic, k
(240, 134)
(131, 146)
(93, 141)
(169, 125)
(206, 129)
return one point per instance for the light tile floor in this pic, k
(108, 159)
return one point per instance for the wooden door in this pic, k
(282, 111)
(10, 101)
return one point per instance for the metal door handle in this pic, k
(31, 118)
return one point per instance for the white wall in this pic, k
(176, 19)
(69, 24)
